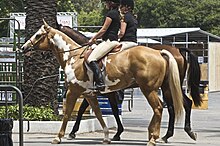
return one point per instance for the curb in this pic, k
(53, 127)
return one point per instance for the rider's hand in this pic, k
(92, 41)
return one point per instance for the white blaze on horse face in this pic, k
(62, 44)
(32, 40)
(41, 31)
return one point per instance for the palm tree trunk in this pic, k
(38, 64)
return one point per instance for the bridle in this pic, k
(83, 45)
(33, 44)
(38, 40)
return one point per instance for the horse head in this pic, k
(48, 38)
(40, 40)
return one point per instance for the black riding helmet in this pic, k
(128, 3)
(115, 1)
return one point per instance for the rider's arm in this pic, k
(122, 29)
(102, 31)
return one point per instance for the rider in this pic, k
(128, 29)
(109, 35)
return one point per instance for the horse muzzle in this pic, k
(27, 47)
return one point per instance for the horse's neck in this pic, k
(75, 62)
(66, 55)
(59, 57)
(74, 35)
(63, 46)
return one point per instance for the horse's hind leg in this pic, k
(114, 105)
(82, 109)
(188, 107)
(93, 102)
(70, 103)
(168, 99)
(156, 105)
(170, 130)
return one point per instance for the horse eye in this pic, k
(38, 36)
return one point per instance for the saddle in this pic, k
(115, 50)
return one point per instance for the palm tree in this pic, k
(38, 64)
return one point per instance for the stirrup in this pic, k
(98, 88)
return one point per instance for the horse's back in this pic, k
(144, 64)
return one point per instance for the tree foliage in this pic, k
(89, 12)
(7, 7)
(151, 14)
(179, 13)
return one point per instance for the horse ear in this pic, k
(45, 24)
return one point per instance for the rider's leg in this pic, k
(100, 85)
(101, 50)
(127, 45)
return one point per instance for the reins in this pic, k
(44, 77)
(86, 44)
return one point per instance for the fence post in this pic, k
(10, 87)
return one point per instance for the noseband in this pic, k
(38, 40)
(33, 44)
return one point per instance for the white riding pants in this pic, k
(102, 49)
(126, 45)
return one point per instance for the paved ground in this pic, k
(204, 122)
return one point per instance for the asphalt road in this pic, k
(205, 122)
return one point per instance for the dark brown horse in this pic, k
(148, 68)
(193, 81)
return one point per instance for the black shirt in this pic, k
(131, 28)
(112, 31)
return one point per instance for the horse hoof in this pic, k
(116, 138)
(71, 136)
(106, 141)
(151, 143)
(193, 135)
(56, 140)
(163, 140)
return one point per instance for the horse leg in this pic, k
(188, 107)
(168, 99)
(156, 105)
(93, 102)
(170, 130)
(114, 105)
(70, 103)
(82, 109)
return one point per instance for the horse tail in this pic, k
(174, 83)
(193, 77)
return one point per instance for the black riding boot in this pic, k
(97, 76)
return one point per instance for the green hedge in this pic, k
(30, 113)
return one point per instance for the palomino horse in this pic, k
(193, 81)
(148, 68)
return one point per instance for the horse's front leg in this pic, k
(70, 103)
(156, 105)
(82, 109)
(93, 102)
